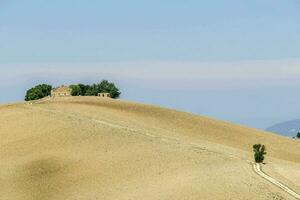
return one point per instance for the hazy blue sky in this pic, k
(233, 60)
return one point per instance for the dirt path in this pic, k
(258, 170)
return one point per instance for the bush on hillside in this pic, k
(38, 92)
(259, 152)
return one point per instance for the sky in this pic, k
(237, 61)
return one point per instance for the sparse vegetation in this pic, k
(38, 92)
(259, 152)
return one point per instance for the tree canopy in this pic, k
(259, 152)
(38, 92)
(298, 135)
(93, 90)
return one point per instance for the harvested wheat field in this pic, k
(90, 148)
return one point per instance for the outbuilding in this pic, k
(104, 94)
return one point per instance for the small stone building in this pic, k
(62, 91)
(104, 94)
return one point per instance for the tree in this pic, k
(38, 92)
(298, 135)
(83, 89)
(259, 152)
(93, 90)
(105, 86)
(76, 90)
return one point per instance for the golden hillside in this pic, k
(90, 148)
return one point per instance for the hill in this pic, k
(288, 128)
(89, 148)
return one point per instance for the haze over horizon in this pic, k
(193, 56)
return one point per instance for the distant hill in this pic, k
(288, 128)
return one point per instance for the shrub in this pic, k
(259, 152)
(298, 135)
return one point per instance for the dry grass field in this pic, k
(90, 148)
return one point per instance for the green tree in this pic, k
(91, 90)
(83, 89)
(38, 92)
(298, 135)
(76, 90)
(259, 152)
(106, 86)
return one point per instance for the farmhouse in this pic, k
(103, 94)
(62, 91)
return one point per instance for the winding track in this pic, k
(258, 170)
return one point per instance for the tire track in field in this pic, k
(258, 170)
